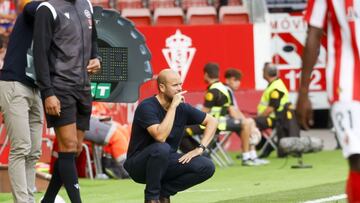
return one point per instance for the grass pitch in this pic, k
(275, 182)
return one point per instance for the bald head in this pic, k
(165, 75)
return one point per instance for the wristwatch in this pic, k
(202, 147)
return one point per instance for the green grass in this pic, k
(275, 182)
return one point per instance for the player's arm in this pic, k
(310, 55)
(235, 113)
(43, 34)
(161, 131)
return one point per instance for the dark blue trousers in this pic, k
(162, 173)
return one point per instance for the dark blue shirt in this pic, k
(20, 40)
(150, 112)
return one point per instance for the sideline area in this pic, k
(275, 182)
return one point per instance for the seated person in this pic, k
(273, 99)
(113, 136)
(115, 141)
(220, 104)
(272, 102)
(233, 80)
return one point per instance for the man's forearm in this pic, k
(210, 129)
(311, 53)
(164, 129)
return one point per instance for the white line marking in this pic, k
(207, 190)
(328, 199)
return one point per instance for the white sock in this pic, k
(253, 154)
(246, 155)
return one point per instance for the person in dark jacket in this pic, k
(21, 106)
(65, 53)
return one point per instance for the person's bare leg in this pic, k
(245, 135)
(68, 143)
(80, 138)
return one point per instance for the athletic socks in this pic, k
(353, 187)
(246, 155)
(54, 185)
(253, 154)
(68, 174)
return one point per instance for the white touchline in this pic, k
(327, 199)
(207, 190)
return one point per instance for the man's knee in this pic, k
(206, 168)
(160, 150)
(69, 145)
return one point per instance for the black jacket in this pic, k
(64, 42)
(20, 40)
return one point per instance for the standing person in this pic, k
(341, 17)
(157, 130)
(22, 109)
(65, 53)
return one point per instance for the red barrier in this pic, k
(193, 46)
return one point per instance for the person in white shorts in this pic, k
(341, 18)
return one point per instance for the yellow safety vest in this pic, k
(218, 111)
(265, 98)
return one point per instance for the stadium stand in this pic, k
(185, 4)
(201, 15)
(154, 4)
(139, 16)
(122, 4)
(168, 16)
(233, 15)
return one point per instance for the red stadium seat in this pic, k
(121, 4)
(233, 15)
(194, 3)
(201, 15)
(139, 16)
(168, 16)
(154, 4)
